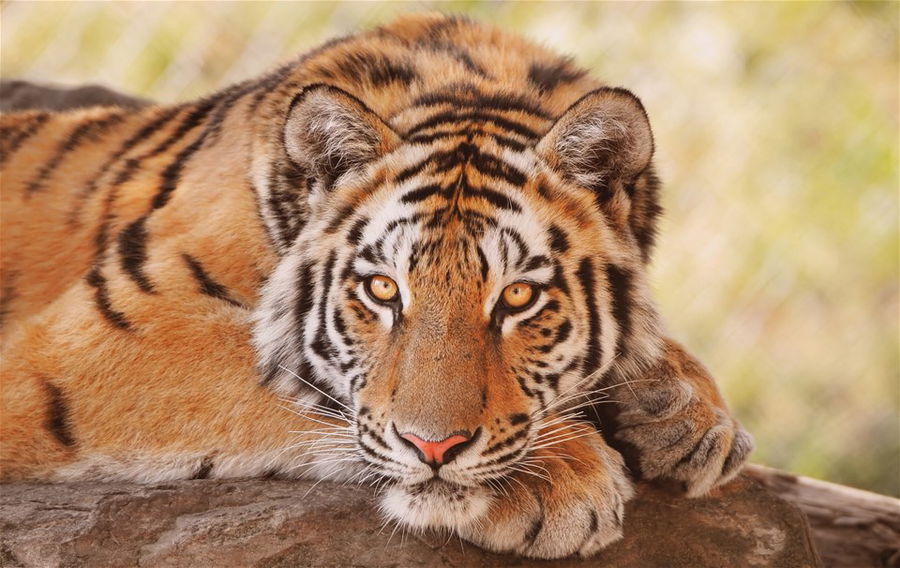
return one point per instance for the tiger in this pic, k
(414, 257)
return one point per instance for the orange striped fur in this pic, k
(187, 290)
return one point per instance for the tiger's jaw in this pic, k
(436, 503)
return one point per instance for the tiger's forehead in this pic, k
(455, 207)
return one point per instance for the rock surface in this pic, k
(272, 524)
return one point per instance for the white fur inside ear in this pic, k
(329, 134)
(583, 144)
(604, 135)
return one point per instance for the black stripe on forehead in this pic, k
(455, 116)
(522, 250)
(499, 102)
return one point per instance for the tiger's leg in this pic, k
(174, 397)
(567, 497)
(671, 422)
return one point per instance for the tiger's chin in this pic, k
(436, 504)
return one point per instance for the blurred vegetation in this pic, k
(777, 135)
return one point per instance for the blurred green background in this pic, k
(777, 136)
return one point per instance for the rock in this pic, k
(266, 523)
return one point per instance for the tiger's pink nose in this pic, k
(437, 453)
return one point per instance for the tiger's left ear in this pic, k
(603, 142)
(329, 134)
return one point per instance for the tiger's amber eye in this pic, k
(382, 288)
(518, 294)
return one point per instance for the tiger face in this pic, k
(458, 286)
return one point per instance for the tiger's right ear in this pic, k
(330, 134)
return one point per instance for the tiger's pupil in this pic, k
(383, 288)
(518, 294)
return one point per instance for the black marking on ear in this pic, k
(133, 253)
(205, 468)
(620, 283)
(549, 77)
(588, 282)
(101, 298)
(12, 138)
(207, 284)
(58, 415)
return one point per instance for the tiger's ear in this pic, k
(329, 134)
(603, 142)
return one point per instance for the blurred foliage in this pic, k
(777, 135)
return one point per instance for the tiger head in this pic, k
(457, 283)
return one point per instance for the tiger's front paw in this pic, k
(563, 499)
(680, 427)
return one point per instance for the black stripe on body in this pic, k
(58, 415)
(191, 121)
(587, 279)
(101, 298)
(620, 283)
(133, 253)
(142, 134)
(132, 240)
(12, 137)
(207, 284)
(88, 131)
